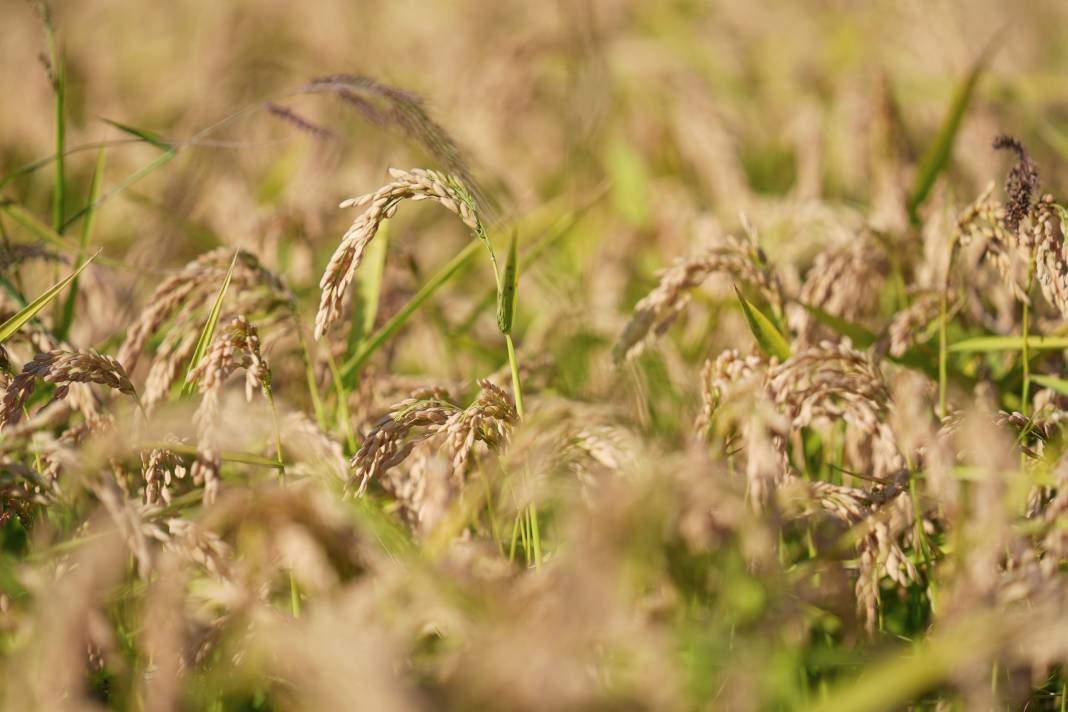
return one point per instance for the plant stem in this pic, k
(342, 402)
(294, 595)
(1025, 407)
(513, 364)
(309, 373)
(532, 509)
(277, 434)
(60, 197)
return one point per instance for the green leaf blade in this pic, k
(208, 332)
(506, 298)
(1052, 382)
(86, 236)
(9, 327)
(940, 151)
(992, 344)
(770, 339)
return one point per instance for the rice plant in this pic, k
(732, 376)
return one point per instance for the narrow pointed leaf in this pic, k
(1053, 383)
(137, 175)
(28, 312)
(86, 236)
(37, 228)
(147, 136)
(941, 149)
(506, 298)
(991, 344)
(861, 337)
(209, 326)
(771, 341)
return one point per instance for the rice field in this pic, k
(587, 355)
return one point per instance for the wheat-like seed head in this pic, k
(656, 311)
(63, 368)
(829, 381)
(1048, 229)
(237, 347)
(489, 419)
(387, 444)
(718, 376)
(908, 324)
(983, 221)
(192, 289)
(844, 281)
(416, 184)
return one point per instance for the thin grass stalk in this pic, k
(342, 415)
(277, 433)
(59, 198)
(535, 533)
(494, 527)
(309, 375)
(515, 539)
(1025, 394)
(83, 245)
(294, 595)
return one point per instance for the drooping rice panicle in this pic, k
(416, 184)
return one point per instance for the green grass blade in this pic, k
(26, 169)
(892, 683)
(87, 232)
(137, 175)
(351, 367)
(245, 458)
(1052, 382)
(13, 324)
(915, 358)
(862, 338)
(770, 339)
(369, 288)
(146, 136)
(506, 299)
(992, 344)
(45, 233)
(941, 149)
(12, 290)
(59, 196)
(209, 326)
(37, 228)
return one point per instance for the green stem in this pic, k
(1025, 407)
(513, 364)
(535, 534)
(309, 374)
(515, 540)
(60, 197)
(342, 402)
(277, 434)
(531, 514)
(294, 595)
